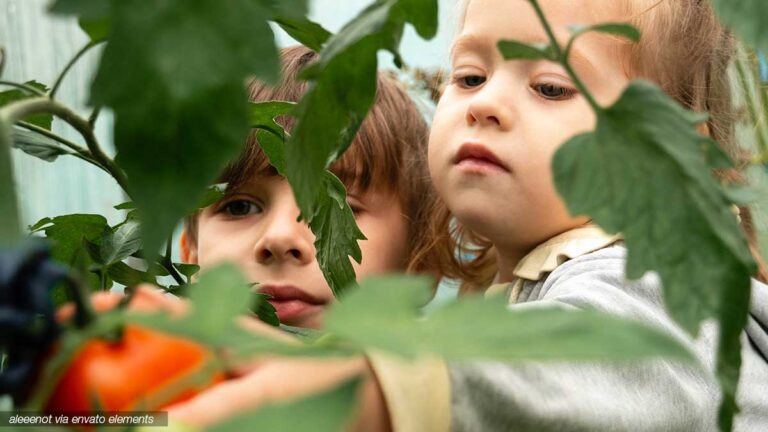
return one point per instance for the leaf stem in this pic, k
(16, 111)
(10, 220)
(168, 262)
(20, 86)
(82, 153)
(562, 57)
(84, 313)
(71, 63)
(94, 116)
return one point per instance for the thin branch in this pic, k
(168, 262)
(562, 57)
(71, 63)
(94, 116)
(2, 60)
(21, 109)
(26, 88)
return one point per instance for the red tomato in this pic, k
(132, 374)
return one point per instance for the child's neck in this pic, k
(508, 259)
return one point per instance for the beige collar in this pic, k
(555, 251)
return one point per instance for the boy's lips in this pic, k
(476, 158)
(290, 301)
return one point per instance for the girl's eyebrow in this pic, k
(471, 43)
(484, 46)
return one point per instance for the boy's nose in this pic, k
(285, 240)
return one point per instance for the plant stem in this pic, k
(168, 262)
(71, 63)
(2, 60)
(26, 88)
(84, 313)
(562, 57)
(10, 221)
(80, 152)
(94, 116)
(21, 109)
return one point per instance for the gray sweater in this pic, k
(654, 395)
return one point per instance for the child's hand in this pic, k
(146, 298)
(268, 380)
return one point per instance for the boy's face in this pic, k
(256, 227)
(499, 123)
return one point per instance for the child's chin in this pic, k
(313, 321)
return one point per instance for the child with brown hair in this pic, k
(255, 224)
(495, 131)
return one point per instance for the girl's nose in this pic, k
(285, 240)
(488, 107)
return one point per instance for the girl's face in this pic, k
(499, 123)
(256, 227)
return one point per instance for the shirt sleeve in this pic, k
(650, 395)
(417, 393)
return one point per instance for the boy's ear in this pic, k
(187, 250)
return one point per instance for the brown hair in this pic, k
(686, 51)
(387, 154)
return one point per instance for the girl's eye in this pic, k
(240, 208)
(356, 209)
(469, 81)
(553, 92)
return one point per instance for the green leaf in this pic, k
(124, 274)
(117, 245)
(336, 235)
(262, 115)
(746, 18)
(274, 147)
(618, 29)
(212, 195)
(129, 205)
(200, 54)
(68, 232)
(646, 172)
(219, 295)
(308, 33)
(345, 84)
(94, 15)
(40, 224)
(264, 309)
(512, 50)
(383, 314)
(8, 96)
(188, 270)
(329, 411)
(38, 145)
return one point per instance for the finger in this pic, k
(148, 298)
(102, 301)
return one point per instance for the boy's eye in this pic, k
(471, 80)
(241, 208)
(553, 92)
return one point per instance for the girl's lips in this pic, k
(476, 158)
(291, 302)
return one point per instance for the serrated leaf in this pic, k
(336, 235)
(645, 172)
(262, 115)
(68, 232)
(38, 145)
(746, 18)
(274, 147)
(117, 245)
(9, 96)
(624, 30)
(264, 309)
(512, 50)
(308, 33)
(329, 411)
(40, 224)
(383, 314)
(200, 55)
(345, 84)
